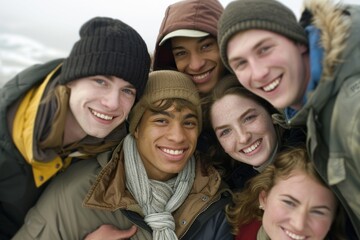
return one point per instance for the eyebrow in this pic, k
(240, 117)
(298, 202)
(200, 40)
(171, 115)
(112, 79)
(235, 59)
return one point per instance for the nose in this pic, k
(176, 133)
(258, 71)
(196, 62)
(111, 100)
(243, 136)
(298, 220)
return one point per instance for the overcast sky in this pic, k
(57, 23)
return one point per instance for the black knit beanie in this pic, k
(271, 15)
(108, 47)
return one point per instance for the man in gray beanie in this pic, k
(153, 179)
(311, 70)
(66, 108)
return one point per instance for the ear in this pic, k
(136, 134)
(263, 198)
(302, 48)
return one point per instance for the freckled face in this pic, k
(244, 129)
(166, 141)
(298, 207)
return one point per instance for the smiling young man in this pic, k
(153, 179)
(66, 108)
(310, 69)
(187, 42)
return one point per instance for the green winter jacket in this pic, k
(91, 193)
(332, 111)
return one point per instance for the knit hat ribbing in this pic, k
(108, 47)
(271, 15)
(166, 84)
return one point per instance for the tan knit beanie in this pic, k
(271, 15)
(166, 84)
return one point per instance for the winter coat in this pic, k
(17, 189)
(91, 193)
(26, 168)
(332, 110)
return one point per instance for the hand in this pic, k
(110, 232)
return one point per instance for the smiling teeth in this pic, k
(102, 116)
(252, 147)
(272, 85)
(201, 76)
(173, 152)
(294, 236)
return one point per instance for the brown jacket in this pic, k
(62, 212)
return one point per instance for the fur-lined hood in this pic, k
(330, 19)
(339, 26)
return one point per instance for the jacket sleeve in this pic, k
(59, 214)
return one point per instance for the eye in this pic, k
(100, 81)
(289, 203)
(224, 132)
(206, 46)
(129, 91)
(318, 212)
(263, 50)
(160, 121)
(249, 118)
(238, 65)
(179, 53)
(191, 124)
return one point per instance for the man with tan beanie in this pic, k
(153, 178)
(311, 70)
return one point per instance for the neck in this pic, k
(72, 131)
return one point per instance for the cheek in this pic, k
(181, 65)
(227, 144)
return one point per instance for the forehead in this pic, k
(302, 187)
(241, 102)
(250, 39)
(185, 42)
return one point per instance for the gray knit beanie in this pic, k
(166, 84)
(108, 47)
(271, 15)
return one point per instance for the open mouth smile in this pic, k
(272, 85)
(172, 151)
(293, 235)
(252, 148)
(101, 115)
(201, 78)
